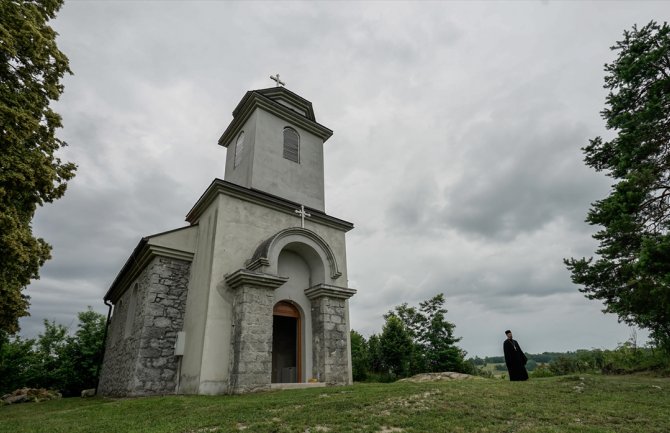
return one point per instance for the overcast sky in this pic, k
(456, 147)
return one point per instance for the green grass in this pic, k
(584, 404)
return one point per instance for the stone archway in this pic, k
(315, 344)
(314, 249)
(286, 343)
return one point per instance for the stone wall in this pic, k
(118, 366)
(329, 333)
(139, 357)
(251, 367)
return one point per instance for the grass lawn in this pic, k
(581, 404)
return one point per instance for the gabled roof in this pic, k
(176, 244)
(282, 103)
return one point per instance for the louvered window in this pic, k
(239, 146)
(291, 145)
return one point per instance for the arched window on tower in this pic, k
(239, 146)
(291, 145)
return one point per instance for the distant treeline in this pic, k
(420, 340)
(625, 359)
(540, 358)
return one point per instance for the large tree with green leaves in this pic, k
(631, 273)
(31, 69)
(433, 340)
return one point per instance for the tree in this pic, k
(55, 360)
(16, 361)
(49, 369)
(83, 353)
(375, 363)
(359, 356)
(31, 68)
(632, 272)
(432, 336)
(396, 347)
(90, 339)
(413, 322)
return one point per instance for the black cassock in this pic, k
(515, 360)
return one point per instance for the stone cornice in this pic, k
(243, 277)
(329, 291)
(253, 100)
(264, 199)
(172, 253)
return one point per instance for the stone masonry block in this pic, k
(162, 322)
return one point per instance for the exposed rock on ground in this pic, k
(25, 395)
(435, 377)
(88, 393)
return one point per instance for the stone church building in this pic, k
(253, 292)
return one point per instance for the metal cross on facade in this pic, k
(277, 80)
(302, 214)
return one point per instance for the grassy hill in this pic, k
(559, 404)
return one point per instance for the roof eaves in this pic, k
(253, 100)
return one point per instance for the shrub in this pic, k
(542, 370)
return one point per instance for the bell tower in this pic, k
(275, 145)
(253, 293)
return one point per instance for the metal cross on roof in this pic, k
(302, 214)
(277, 80)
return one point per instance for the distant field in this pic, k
(579, 404)
(492, 368)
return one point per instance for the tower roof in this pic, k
(282, 103)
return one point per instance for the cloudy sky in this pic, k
(456, 147)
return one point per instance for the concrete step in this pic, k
(297, 385)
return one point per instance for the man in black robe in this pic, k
(514, 358)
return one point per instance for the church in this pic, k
(252, 294)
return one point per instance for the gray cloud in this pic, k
(455, 154)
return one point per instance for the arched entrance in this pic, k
(286, 343)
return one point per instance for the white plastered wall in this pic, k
(196, 304)
(241, 226)
(263, 166)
